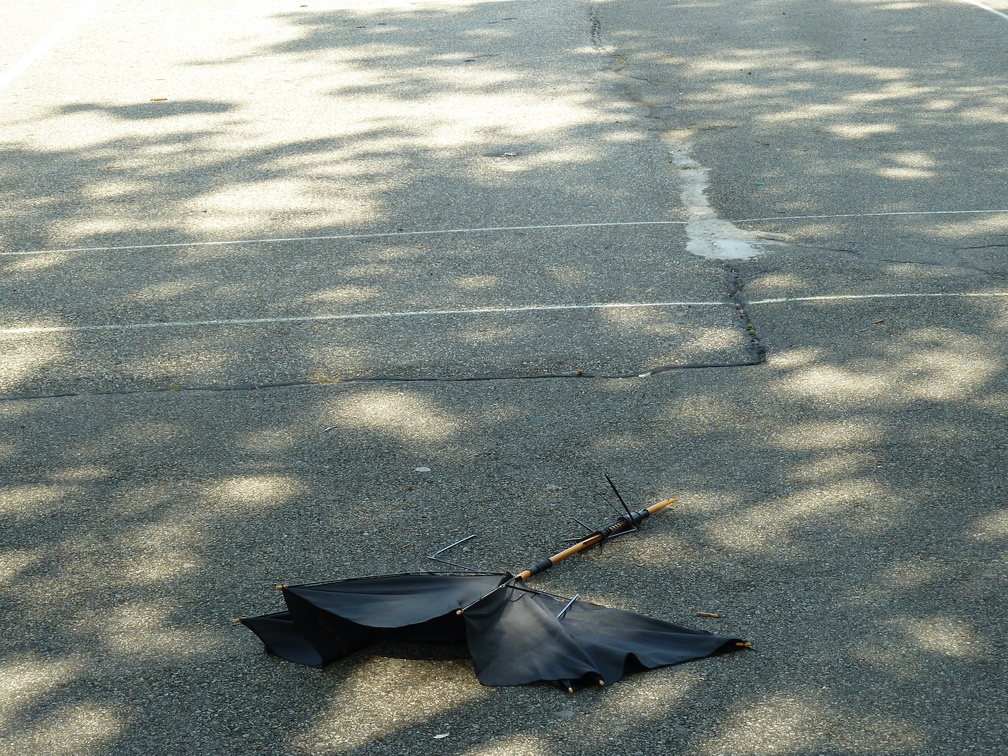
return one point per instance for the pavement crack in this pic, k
(307, 384)
(594, 26)
(735, 283)
(842, 250)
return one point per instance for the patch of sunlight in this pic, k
(829, 434)
(712, 339)
(699, 413)
(861, 130)
(35, 263)
(112, 189)
(999, 319)
(268, 440)
(100, 222)
(460, 120)
(13, 562)
(651, 696)
(79, 474)
(933, 363)
(895, 6)
(31, 500)
(906, 174)
(368, 6)
(514, 745)
(793, 358)
(396, 414)
(252, 492)
(942, 635)
(947, 364)
(26, 681)
(144, 631)
(833, 465)
(910, 165)
(228, 209)
(910, 573)
(156, 564)
(796, 722)
(347, 295)
(167, 290)
(25, 355)
(783, 281)
(988, 224)
(75, 730)
(993, 112)
(371, 270)
(651, 318)
(384, 695)
(764, 527)
(477, 282)
(991, 527)
(835, 385)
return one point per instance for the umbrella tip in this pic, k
(602, 683)
(281, 587)
(570, 690)
(743, 644)
(237, 619)
(458, 612)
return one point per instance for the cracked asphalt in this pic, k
(298, 291)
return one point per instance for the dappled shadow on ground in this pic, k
(834, 129)
(841, 506)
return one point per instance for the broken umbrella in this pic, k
(515, 634)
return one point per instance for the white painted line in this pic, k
(871, 215)
(35, 330)
(48, 43)
(857, 297)
(32, 330)
(987, 8)
(379, 235)
(476, 230)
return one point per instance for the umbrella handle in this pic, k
(620, 525)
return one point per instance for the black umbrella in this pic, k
(516, 635)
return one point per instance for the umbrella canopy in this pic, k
(327, 621)
(515, 634)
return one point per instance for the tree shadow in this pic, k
(841, 506)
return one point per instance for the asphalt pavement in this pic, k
(298, 291)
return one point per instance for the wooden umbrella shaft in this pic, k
(622, 524)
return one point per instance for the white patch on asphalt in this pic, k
(708, 235)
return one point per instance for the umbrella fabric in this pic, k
(515, 637)
(513, 632)
(327, 621)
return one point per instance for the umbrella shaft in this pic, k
(619, 526)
